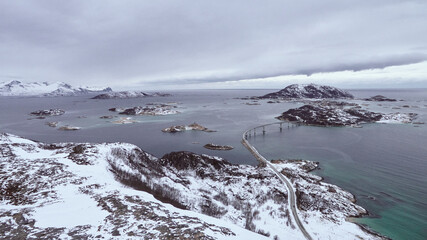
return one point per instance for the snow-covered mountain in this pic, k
(118, 191)
(299, 91)
(17, 88)
(129, 94)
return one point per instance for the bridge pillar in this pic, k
(263, 130)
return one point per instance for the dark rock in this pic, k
(380, 98)
(187, 160)
(49, 112)
(329, 116)
(212, 146)
(298, 91)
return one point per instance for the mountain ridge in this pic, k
(45, 89)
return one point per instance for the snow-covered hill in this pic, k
(129, 94)
(299, 91)
(17, 88)
(118, 191)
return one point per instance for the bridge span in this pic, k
(264, 162)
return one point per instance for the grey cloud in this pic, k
(355, 66)
(111, 42)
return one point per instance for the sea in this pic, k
(383, 165)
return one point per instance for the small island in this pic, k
(380, 98)
(48, 112)
(151, 110)
(68, 128)
(181, 128)
(212, 146)
(324, 115)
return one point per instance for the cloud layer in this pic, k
(155, 44)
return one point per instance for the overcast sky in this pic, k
(220, 44)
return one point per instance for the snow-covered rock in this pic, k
(69, 190)
(301, 91)
(116, 190)
(330, 115)
(48, 112)
(17, 88)
(180, 128)
(151, 110)
(129, 94)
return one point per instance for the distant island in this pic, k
(380, 98)
(313, 91)
(45, 89)
(129, 94)
(330, 115)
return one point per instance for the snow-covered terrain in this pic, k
(17, 88)
(129, 94)
(180, 128)
(151, 110)
(334, 115)
(301, 91)
(68, 191)
(116, 190)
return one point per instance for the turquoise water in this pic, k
(384, 166)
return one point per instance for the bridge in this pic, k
(264, 162)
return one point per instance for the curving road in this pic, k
(291, 191)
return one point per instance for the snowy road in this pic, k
(291, 190)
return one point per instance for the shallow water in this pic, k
(385, 166)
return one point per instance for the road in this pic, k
(291, 191)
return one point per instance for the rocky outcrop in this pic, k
(181, 128)
(68, 128)
(52, 124)
(124, 120)
(82, 188)
(313, 91)
(48, 112)
(380, 98)
(212, 146)
(315, 195)
(334, 116)
(129, 94)
(152, 110)
(83, 182)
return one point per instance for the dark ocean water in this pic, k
(384, 165)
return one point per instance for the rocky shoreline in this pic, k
(149, 110)
(180, 128)
(212, 146)
(342, 115)
(48, 112)
(240, 195)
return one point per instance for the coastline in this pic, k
(265, 163)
